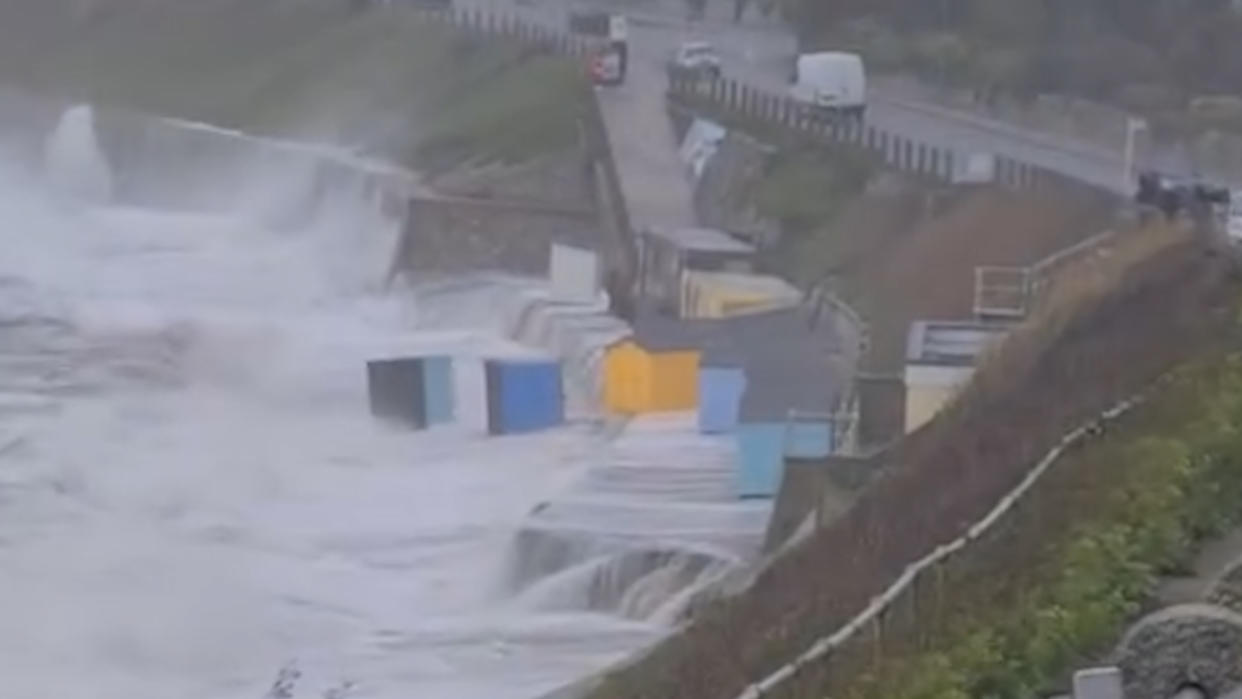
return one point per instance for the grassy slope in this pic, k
(1093, 538)
(304, 68)
(896, 260)
(1165, 310)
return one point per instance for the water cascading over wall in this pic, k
(168, 164)
(160, 163)
(559, 570)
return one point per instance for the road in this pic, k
(760, 52)
(761, 55)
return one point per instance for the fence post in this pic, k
(877, 638)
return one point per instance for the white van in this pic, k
(831, 83)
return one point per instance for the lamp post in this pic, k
(1133, 126)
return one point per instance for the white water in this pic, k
(193, 495)
(75, 164)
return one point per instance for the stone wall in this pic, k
(722, 194)
(824, 488)
(556, 179)
(444, 236)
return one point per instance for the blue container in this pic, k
(760, 459)
(763, 447)
(523, 396)
(807, 439)
(720, 395)
(412, 391)
(438, 389)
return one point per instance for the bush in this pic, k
(940, 56)
(1003, 69)
(804, 190)
(875, 41)
(1220, 112)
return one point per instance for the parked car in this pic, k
(696, 58)
(607, 66)
(831, 84)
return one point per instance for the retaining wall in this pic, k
(449, 235)
(177, 165)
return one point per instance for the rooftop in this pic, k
(951, 343)
(703, 239)
(791, 362)
(758, 283)
(783, 380)
(742, 335)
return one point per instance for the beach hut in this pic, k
(654, 370)
(730, 294)
(722, 380)
(940, 361)
(523, 395)
(665, 254)
(413, 391)
(574, 274)
(786, 411)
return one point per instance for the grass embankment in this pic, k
(1161, 309)
(1095, 534)
(1053, 586)
(412, 89)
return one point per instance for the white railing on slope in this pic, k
(1022, 286)
(822, 648)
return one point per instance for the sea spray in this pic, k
(75, 165)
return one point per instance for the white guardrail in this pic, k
(826, 645)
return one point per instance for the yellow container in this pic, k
(638, 381)
(725, 294)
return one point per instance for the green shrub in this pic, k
(804, 190)
(940, 56)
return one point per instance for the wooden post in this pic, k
(877, 639)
